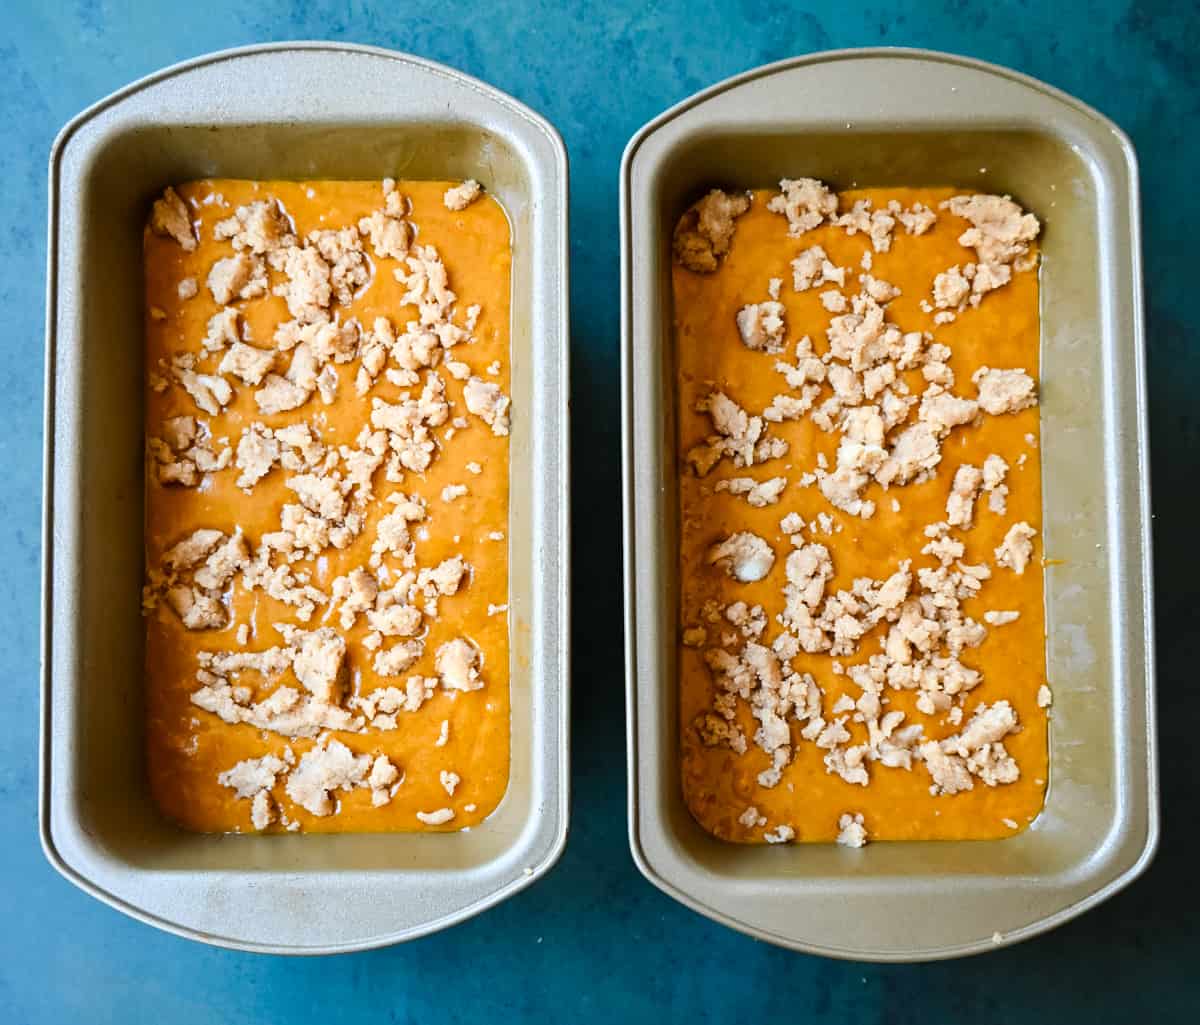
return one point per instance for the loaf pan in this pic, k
(293, 111)
(900, 117)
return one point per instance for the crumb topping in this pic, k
(1001, 235)
(1015, 551)
(1004, 391)
(744, 556)
(705, 232)
(169, 217)
(459, 197)
(253, 779)
(851, 831)
(312, 684)
(756, 493)
(907, 630)
(761, 326)
(805, 202)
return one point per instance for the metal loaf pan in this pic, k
(312, 110)
(895, 117)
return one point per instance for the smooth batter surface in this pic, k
(1001, 332)
(188, 747)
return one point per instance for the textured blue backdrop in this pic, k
(593, 941)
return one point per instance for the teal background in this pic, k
(593, 941)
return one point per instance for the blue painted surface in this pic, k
(594, 941)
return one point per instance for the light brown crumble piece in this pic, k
(327, 340)
(285, 711)
(281, 583)
(750, 818)
(193, 575)
(187, 289)
(395, 620)
(995, 617)
(383, 780)
(761, 326)
(942, 546)
(257, 451)
(792, 523)
(1000, 232)
(308, 290)
(781, 834)
(950, 289)
(751, 621)
(186, 452)
(1015, 551)
(283, 394)
(458, 663)
(392, 532)
(805, 202)
(382, 705)
(261, 228)
(977, 752)
(389, 233)
(327, 384)
(1004, 391)
(704, 233)
(917, 220)
(240, 276)
(881, 291)
(253, 778)
(851, 831)
(739, 436)
(744, 556)
(349, 270)
(960, 505)
(714, 731)
(813, 268)
(459, 197)
(833, 301)
(210, 392)
(436, 818)
(169, 217)
(246, 362)
(876, 224)
(758, 494)
(325, 768)
(427, 281)
(224, 328)
(485, 400)
(374, 348)
(319, 661)
(1044, 697)
(995, 469)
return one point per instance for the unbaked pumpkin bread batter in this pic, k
(862, 649)
(327, 421)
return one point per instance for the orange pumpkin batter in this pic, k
(187, 747)
(1002, 331)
